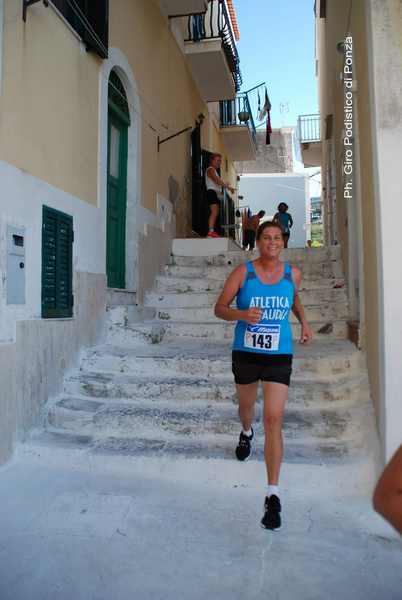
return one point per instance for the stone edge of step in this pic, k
(328, 450)
(106, 377)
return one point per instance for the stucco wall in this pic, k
(49, 101)
(371, 247)
(277, 157)
(376, 30)
(8, 412)
(32, 369)
(385, 31)
(49, 110)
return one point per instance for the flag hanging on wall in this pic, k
(266, 111)
(269, 129)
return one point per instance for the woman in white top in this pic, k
(214, 186)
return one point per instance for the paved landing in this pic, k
(80, 527)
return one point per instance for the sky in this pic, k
(277, 46)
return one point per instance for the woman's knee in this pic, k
(273, 422)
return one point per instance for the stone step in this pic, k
(203, 246)
(118, 297)
(323, 361)
(191, 299)
(309, 271)
(228, 260)
(203, 447)
(321, 312)
(302, 392)
(168, 283)
(293, 255)
(122, 315)
(154, 331)
(152, 420)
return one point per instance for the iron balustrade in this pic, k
(227, 217)
(216, 24)
(308, 128)
(238, 112)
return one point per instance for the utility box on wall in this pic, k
(15, 265)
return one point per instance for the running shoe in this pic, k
(243, 450)
(212, 234)
(272, 515)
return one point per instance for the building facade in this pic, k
(359, 60)
(106, 116)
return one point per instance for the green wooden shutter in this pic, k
(57, 264)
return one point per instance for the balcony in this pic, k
(309, 134)
(181, 8)
(212, 53)
(237, 128)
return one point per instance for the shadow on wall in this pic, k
(181, 207)
(154, 252)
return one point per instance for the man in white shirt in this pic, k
(214, 185)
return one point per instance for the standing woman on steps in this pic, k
(266, 292)
(214, 185)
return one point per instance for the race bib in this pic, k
(262, 337)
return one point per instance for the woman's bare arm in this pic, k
(212, 174)
(387, 499)
(229, 292)
(298, 309)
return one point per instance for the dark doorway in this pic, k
(200, 209)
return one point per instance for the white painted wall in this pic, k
(1, 41)
(21, 201)
(385, 60)
(266, 191)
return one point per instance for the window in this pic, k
(117, 98)
(90, 19)
(57, 264)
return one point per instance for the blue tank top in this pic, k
(273, 334)
(284, 219)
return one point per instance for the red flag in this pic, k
(269, 129)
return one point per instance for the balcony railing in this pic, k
(308, 128)
(216, 24)
(237, 112)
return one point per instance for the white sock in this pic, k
(211, 229)
(273, 490)
(248, 433)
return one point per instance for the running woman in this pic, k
(266, 292)
(214, 185)
(285, 221)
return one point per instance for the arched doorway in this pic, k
(117, 149)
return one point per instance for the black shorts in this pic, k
(212, 197)
(249, 367)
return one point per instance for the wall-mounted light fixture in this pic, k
(340, 47)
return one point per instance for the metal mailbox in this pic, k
(15, 265)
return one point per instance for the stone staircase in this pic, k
(164, 385)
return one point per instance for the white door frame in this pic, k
(118, 61)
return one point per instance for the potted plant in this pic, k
(244, 116)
